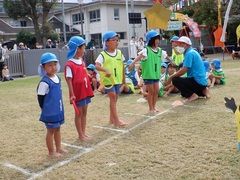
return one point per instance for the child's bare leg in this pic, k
(78, 124)
(94, 82)
(83, 113)
(155, 96)
(150, 98)
(49, 142)
(113, 110)
(206, 93)
(57, 139)
(213, 79)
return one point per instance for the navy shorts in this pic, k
(83, 102)
(115, 88)
(150, 81)
(54, 125)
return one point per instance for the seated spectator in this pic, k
(236, 51)
(133, 74)
(163, 78)
(217, 76)
(169, 87)
(50, 44)
(21, 46)
(127, 87)
(6, 74)
(94, 77)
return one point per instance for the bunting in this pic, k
(180, 4)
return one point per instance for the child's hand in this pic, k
(108, 74)
(130, 67)
(72, 98)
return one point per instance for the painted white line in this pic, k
(142, 115)
(24, 171)
(108, 128)
(73, 146)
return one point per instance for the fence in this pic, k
(26, 62)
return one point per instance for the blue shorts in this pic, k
(115, 88)
(150, 81)
(129, 91)
(54, 125)
(83, 102)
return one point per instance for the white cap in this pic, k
(184, 39)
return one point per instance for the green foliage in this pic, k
(14, 9)
(26, 37)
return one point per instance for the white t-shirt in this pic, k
(43, 87)
(100, 57)
(144, 53)
(68, 69)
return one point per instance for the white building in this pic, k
(99, 16)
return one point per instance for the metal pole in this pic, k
(128, 33)
(64, 25)
(81, 20)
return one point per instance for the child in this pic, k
(151, 57)
(49, 93)
(163, 78)
(170, 88)
(217, 76)
(207, 69)
(128, 87)
(176, 57)
(133, 75)
(78, 83)
(110, 63)
(5, 73)
(93, 77)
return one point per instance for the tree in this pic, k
(33, 9)
(27, 38)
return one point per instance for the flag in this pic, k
(157, 1)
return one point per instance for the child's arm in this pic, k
(41, 100)
(134, 61)
(70, 88)
(100, 68)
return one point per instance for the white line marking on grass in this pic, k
(87, 150)
(73, 146)
(24, 171)
(108, 128)
(138, 115)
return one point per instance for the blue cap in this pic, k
(129, 62)
(151, 34)
(106, 36)
(217, 64)
(48, 57)
(174, 38)
(206, 65)
(164, 65)
(92, 67)
(73, 44)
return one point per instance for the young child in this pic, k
(110, 63)
(49, 93)
(5, 73)
(217, 76)
(170, 88)
(93, 77)
(163, 78)
(151, 57)
(133, 75)
(128, 87)
(78, 83)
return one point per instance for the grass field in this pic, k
(195, 141)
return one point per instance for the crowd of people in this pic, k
(158, 75)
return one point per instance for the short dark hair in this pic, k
(151, 42)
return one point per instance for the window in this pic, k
(23, 23)
(76, 19)
(94, 16)
(116, 14)
(121, 35)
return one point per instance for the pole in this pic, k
(64, 26)
(128, 34)
(133, 26)
(81, 19)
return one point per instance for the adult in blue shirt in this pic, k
(195, 84)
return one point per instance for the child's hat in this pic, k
(46, 58)
(151, 34)
(106, 36)
(129, 62)
(73, 44)
(174, 38)
(217, 64)
(164, 65)
(91, 67)
(206, 65)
